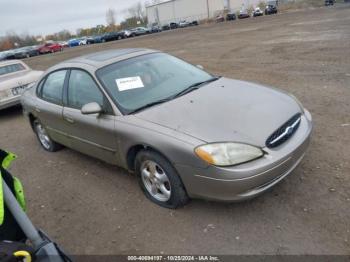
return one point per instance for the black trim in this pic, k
(283, 129)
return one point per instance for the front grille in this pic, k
(285, 132)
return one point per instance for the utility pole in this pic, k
(208, 9)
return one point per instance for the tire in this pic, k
(156, 176)
(45, 141)
(120, 37)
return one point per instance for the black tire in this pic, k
(178, 196)
(51, 145)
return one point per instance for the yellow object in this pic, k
(23, 254)
(204, 155)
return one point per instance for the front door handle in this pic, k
(69, 119)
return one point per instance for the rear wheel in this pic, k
(46, 142)
(159, 180)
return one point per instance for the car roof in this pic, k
(103, 58)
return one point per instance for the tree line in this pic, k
(136, 16)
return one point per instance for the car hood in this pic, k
(226, 110)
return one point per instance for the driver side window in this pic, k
(82, 90)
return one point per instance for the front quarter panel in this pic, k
(178, 148)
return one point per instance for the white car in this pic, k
(15, 77)
(184, 23)
(83, 41)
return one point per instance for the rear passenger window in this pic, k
(52, 90)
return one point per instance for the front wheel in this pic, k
(46, 142)
(159, 180)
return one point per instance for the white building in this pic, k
(190, 10)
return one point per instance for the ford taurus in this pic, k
(184, 132)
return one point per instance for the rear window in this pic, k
(11, 69)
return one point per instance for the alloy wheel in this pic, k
(43, 136)
(155, 181)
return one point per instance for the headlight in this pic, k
(228, 154)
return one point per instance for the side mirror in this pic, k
(200, 67)
(91, 108)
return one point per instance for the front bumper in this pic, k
(10, 101)
(248, 180)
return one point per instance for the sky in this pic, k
(41, 17)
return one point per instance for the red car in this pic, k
(50, 48)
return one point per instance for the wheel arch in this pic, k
(135, 149)
(32, 118)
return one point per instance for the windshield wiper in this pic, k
(150, 105)
(195, 86)
(183, 92)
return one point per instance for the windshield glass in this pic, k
(146, 79)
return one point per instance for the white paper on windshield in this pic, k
(128, 83)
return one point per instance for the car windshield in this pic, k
(147, 79)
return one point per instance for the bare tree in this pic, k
(110, 17)
(138, 11)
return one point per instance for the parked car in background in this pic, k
(231, 16)
(73, 42)
(90, 40)
(257, 12)
(329, 2)
(64, 44)
(139, 31)
(50, 48)
(166, 27)
(271, 8)
(9, 54)
(173, 25)
(149, 114)
(219, 18)
(194, 23)
(2, 56)
(112, 36)
(243, 14)
(26, 52)
(83, 41)
(126, 33)
(183, 24)
(155, 29)
(15, 77)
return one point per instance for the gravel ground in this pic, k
(90, 207)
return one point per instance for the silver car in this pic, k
(15, 77)
(184, 132)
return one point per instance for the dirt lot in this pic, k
(93, 208)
